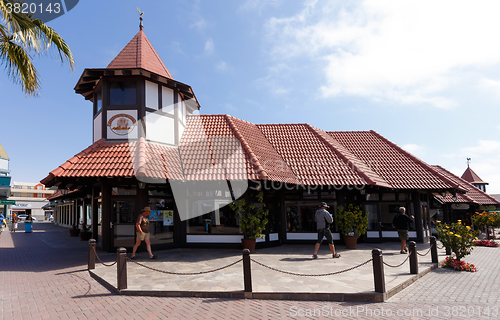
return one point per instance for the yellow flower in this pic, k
(459, 221)
(457, 235)
(475, 238)
(451, 233)
(439, 221)
(468, 228)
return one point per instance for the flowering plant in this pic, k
(486, 243)
(486, 219)
(456, 264)
(458, 237)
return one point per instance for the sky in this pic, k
(424, 74)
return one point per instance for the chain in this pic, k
(399, 265)
(107, 265)
(312, 275)
(184, 273)
(422, 255)
(442, 247)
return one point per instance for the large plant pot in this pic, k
(85, 235)
(248, 244)
(74, 232)
(350, 242)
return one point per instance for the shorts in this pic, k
(327, 233)
(143, 236)
(403, 234)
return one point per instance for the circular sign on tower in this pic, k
(122, 124)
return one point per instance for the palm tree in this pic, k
(21, 36)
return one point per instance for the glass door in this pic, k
(123, 220)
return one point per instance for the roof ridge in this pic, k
(255, 161)
(357, 164)
(424, 165)
(469, 184)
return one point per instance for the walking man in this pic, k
(323, 220)
(402, 223)
(142, 228)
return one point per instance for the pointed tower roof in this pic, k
(3, 154)
(139, 53)
(471, 176)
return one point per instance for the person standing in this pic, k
(323, 220)
(14, 222)
(402, 223)
(142, 230)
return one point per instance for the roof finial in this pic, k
(141, 13)
(468, 161)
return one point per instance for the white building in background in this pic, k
(29, 197)
(4, 174)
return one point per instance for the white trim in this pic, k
(274, 237)
(372, 234)
(213, 238)
(390, 234)
(308, 236)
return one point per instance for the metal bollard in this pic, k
(434, 250)
(378, 270)
(91, 259)
(247, 271)
(413, 257)
(121, 258)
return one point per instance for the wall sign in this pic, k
(122, 124)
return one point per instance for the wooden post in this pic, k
(413, 257)
(247, 272)
(121, 268)
(91, 261)
(378, 270)
(434, 250)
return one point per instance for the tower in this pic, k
(136, 96)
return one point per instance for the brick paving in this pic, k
(43, 276)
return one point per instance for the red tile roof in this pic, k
(472, 195)
(139, 53)
(220, 147)
(396, 166)
(471, 176)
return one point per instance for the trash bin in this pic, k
(27, 226)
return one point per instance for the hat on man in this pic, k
(323, 204)
(146, 209)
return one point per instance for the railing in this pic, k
(377, 259)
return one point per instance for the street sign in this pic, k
(7, 202)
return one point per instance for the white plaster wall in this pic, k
(98, 127)
(159, 128)
(167, 100)
(151, 95)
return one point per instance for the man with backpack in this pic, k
(402, 223)
(323, 220)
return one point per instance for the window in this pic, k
(124, 191)
(122, 93)
(98, 100)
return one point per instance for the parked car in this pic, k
(23, 217)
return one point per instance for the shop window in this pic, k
(122, 93)
(161, 220)
(327, 195)
(387, 213)
(310, 195)
(300, 217)
(124, 191)
(404, 197)
(372, 217)
(388, 196)
(220, 219)
(372, 197)
(98, 101)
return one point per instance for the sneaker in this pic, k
(154, 257)
(133, 258)
(402, 252)
(315, 256)
(337, 255)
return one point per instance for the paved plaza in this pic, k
(43, 275)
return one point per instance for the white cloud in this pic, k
(222, 66)
(485, 148)
(490, 85)
(404, 51)
(414, 149)
(209, 46)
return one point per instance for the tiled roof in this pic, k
(221, 147)
(139, 53)
(396, 166)
(472, 195)
(471, 176)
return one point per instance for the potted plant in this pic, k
(85, 233)
(74, 231)
(352, 223)
(253, 220)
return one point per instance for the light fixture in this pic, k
(454, 197)
(64, 191)
(443, 194)
(362, 191)
(142, 185)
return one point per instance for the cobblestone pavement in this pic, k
(43, 276)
